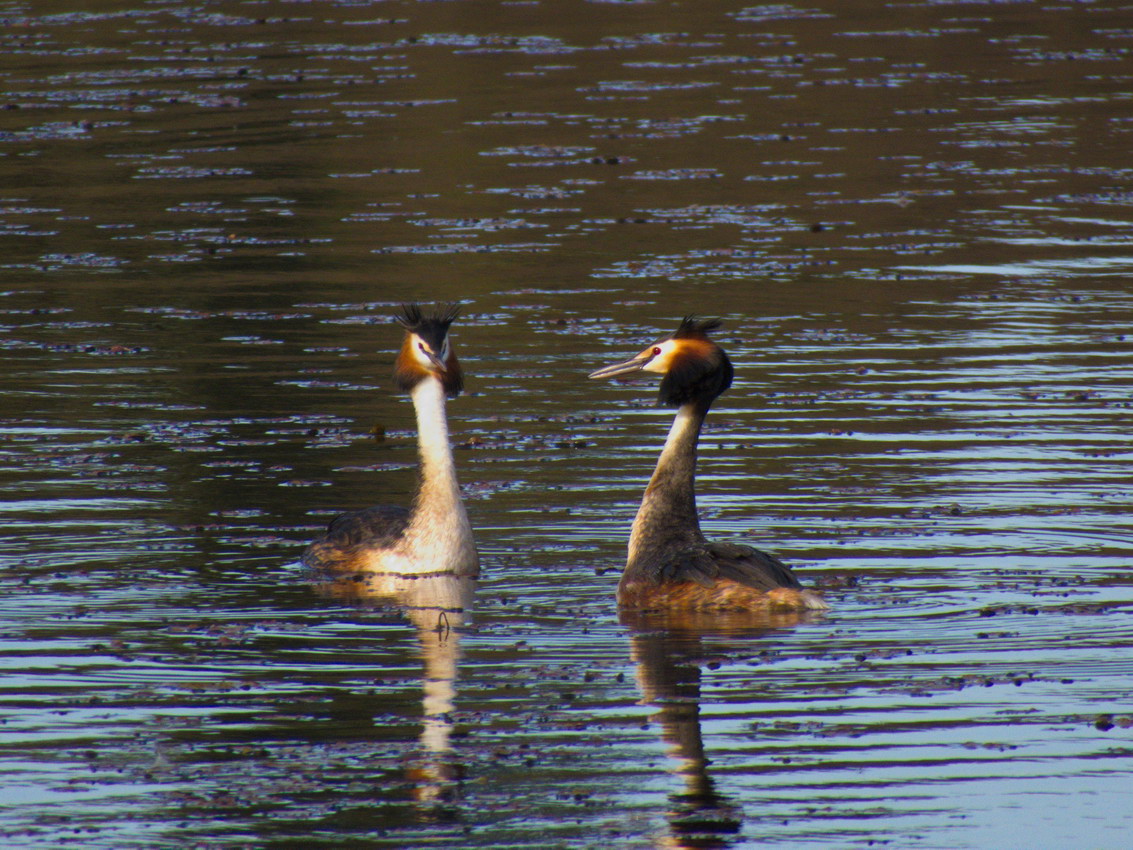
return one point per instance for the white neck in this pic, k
(432, 432)
(439, 536)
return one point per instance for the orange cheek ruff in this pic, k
(676, 350)
(407, 370)
(724, 595)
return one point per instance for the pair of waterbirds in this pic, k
(670, 566)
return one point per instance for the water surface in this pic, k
(915, 221)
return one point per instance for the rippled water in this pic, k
(915, 220)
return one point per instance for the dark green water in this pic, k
(915, 220)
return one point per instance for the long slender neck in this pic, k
(438, 471)
(439, 531)
(667, 516)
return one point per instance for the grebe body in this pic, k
(434, 536)
(671, 565)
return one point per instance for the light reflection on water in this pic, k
(908, 226)
(1072, 267)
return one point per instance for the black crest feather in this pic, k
(692, 327)
(433, 328)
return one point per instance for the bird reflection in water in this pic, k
(669, 648)
(438, 605)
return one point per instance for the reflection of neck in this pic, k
(441, 647)
(672, 683)
(438, 631)
(439, 535)
(670, 679)
(667, 516)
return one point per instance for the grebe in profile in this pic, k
(671, 564)
(434, 536)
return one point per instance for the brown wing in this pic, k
(707, 563)
(348, 534)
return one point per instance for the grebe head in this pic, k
(427, 351)
(694, 367)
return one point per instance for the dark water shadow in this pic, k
(669, 649)
(438, 606)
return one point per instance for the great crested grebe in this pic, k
(434, 536)
(671, 564)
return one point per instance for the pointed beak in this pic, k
(438, 364)
(629, 367)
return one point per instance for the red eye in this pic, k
(656, 350)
